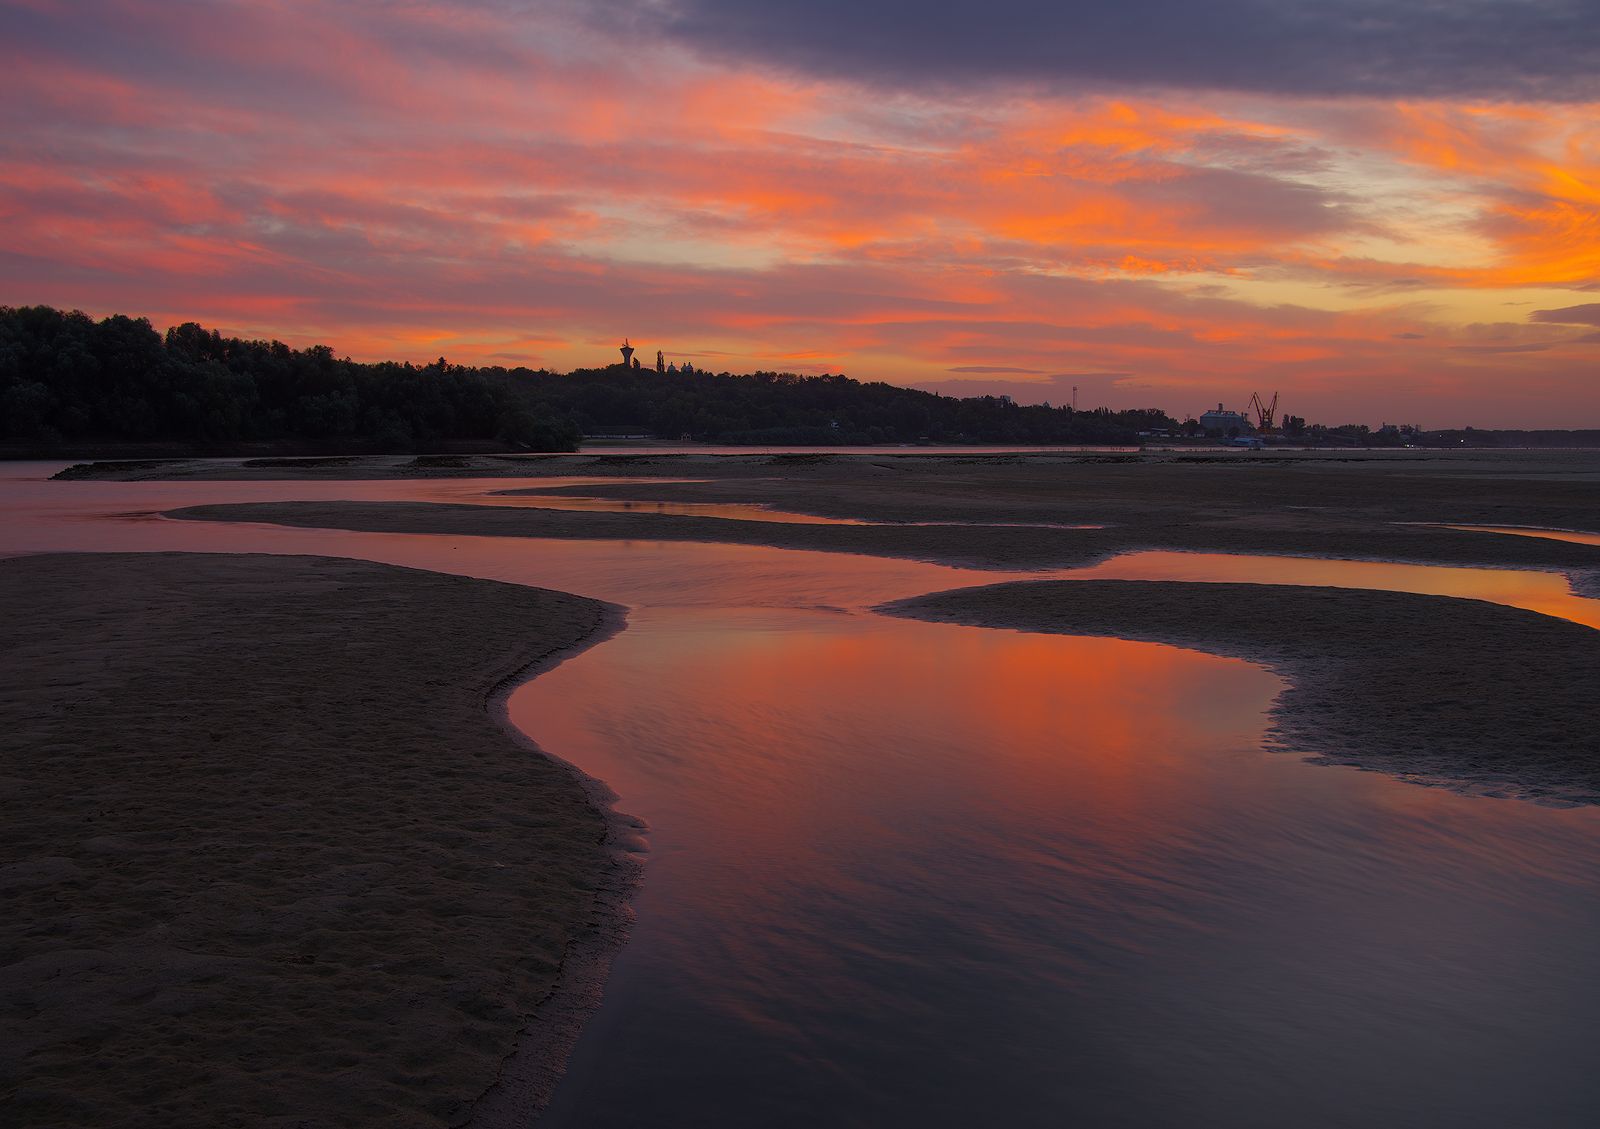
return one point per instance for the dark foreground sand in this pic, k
(269, 857)
(1438, 690)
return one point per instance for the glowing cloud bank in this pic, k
(1384, 217)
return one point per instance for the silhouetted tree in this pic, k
(64, 376)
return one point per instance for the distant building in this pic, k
(627, 354)
(1224, 422)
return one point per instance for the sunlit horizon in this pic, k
(527, 186)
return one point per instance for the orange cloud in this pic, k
(451, 180)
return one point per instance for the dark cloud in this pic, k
(1515, 49)
(1588, 314)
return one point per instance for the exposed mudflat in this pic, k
(271, 856)
(1354, 505)
(1451, 689)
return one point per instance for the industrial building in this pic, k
(1224, 422)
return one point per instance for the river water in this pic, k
(925, 874)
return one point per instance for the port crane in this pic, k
(1266, 413)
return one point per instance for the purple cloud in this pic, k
(1523, 49)
(1587, 314)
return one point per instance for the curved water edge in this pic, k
(991, 836)
(529, 1074)
(908, 863)
(1405, 709)
(1000, 549)
(1561, 594)
(1575, 536)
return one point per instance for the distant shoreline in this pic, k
(118, 451)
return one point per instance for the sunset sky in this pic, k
(1386, 210)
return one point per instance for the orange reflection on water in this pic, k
(1548, 593)
(1576, 536)
(900, 854)
(747, 727)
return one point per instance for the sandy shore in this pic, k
(1354, 506)
(1452, 690)
(995, 547)
(271, 857)
(1438, 690)
(271, 860)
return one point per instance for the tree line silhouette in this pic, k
(783, 408)
(67, 378)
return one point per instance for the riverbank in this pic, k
(1353, 509)
(1432, 689)
(1009, 546)
(1363, 505)
(275, 857)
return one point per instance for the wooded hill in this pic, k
(66, 378)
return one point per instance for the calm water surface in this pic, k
(1577, 536)
(914, 874)
(923, 874)
(1549, 593)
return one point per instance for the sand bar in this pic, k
(272, 858)
(1315, 504)
(1434, 689)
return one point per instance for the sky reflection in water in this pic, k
(1576, 536)
(1546, 592)
(908, 873)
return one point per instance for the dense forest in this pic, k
(66, 378)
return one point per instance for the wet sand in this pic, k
(1436, 690)
(1431, 688)
(274, 857)
(999, 547)
(1353, 506)
(357, 927)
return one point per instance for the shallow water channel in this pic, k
(925, 874)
